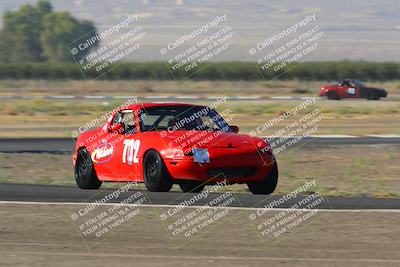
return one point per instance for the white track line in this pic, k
(197, 207)
(246, 97)
(95, 96)
(186, 97)
(61, 97)
(155, 97)
(282, 97)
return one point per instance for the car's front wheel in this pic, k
(373, 95)
(268, 185)
(156, 175)
(85, 174)
(332, 95)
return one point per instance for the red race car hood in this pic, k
(206, 139)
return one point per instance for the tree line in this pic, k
(38, 34)
(248, 71)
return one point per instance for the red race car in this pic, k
(351, 89)
(162, 144)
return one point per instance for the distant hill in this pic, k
(355, 30)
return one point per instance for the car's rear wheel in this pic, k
(85, 174)
(268, 185)
(193, 187)
(156, 175)
(332, 95)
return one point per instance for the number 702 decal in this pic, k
(131, 149)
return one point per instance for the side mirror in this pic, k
(234, 128)
(117, 127)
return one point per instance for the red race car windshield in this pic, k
(181, 118)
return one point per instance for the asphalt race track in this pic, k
(66, 145)
(61, 194)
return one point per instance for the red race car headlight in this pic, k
(174, 153)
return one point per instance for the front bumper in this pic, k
(246, 168)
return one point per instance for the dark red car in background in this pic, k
(350, 88)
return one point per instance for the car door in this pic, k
(106, 154)
(127, 148)
(130, 146)
(353, 90)
(123, 166)
(349, 89)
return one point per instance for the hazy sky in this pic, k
(355, 30)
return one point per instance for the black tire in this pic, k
(373, 95)
(332, 95)
(155, 173)
(85, 174)
(193, 187)
(266, 186)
